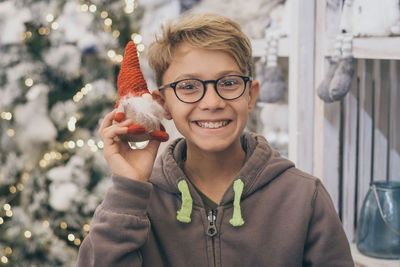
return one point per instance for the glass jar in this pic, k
(378, 232)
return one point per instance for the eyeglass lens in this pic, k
(228, 87)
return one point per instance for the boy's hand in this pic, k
(135, 164)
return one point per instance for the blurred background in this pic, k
(329, 72)
(59, 61)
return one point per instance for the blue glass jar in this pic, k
(378, 231)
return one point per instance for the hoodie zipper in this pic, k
(212, 229)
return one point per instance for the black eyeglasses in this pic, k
(193, 90)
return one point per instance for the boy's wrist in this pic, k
(127, 195)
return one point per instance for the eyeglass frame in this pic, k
(173, 85)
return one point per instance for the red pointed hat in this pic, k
(130, 78)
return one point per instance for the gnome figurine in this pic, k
(135, 102)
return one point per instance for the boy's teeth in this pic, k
(212, 125)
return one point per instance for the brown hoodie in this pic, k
(272, 215)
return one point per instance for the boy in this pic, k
(218, 197)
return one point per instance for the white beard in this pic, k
(142, 111)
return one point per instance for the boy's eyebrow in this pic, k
(198, 76)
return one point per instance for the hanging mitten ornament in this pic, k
(341, 81)
(135, 102)
(323, 88)
(273, 86)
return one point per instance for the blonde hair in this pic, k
(207, 31)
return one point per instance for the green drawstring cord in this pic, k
(183, 215)
(237, 219)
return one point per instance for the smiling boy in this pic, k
(218, 196)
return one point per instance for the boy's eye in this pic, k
(189, 85)
(229, 82)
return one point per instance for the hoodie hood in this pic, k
(262, 165)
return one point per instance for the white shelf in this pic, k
(371, 47)
(361, 260)
(363, 47)
(259, 47)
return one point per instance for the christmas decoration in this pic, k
(343, 77)
(59, 61)
(273, 86)
(135, 102)
(323, 88)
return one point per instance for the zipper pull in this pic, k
(211, 230)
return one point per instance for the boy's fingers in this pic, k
(110, 135)
(107, 121)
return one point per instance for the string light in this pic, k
(136, 38)
(49, 17)
(20, 186)
(111, 53)
(71, 237)
(80, 143)
(28, 234)
(63, 225)
(84, 8)
(108, 22)
(8, 250)
(1, 220)
(55, 25)
(28, 82)
(77, 241)
(10, 132)
(46, 223)
(4, 259)
(42, 163)
(86, 227)
(129, 6)
(6, 115)
(116, 33)
(104, 14)
(26, 35)
(25, 177)
(71, 124)
(43, 31)
(92, 8)
(9, 213)
(140, 47)
(118, 58)
(12, 189)
(7, 206)
(71, 144)
(48, 158)
(80, 94)
(100, 144)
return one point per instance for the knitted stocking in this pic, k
(341, 81)
(323, 88)
(273, 86)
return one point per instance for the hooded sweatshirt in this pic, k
(272, 215)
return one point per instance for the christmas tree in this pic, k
(59, 61)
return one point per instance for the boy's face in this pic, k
(212, 124)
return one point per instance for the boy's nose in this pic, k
(211, 99)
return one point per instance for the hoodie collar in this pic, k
(262, 165)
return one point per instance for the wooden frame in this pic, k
(350, 143)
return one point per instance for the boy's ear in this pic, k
(253, 93)
(160, 98)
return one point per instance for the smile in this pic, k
(212, 125)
